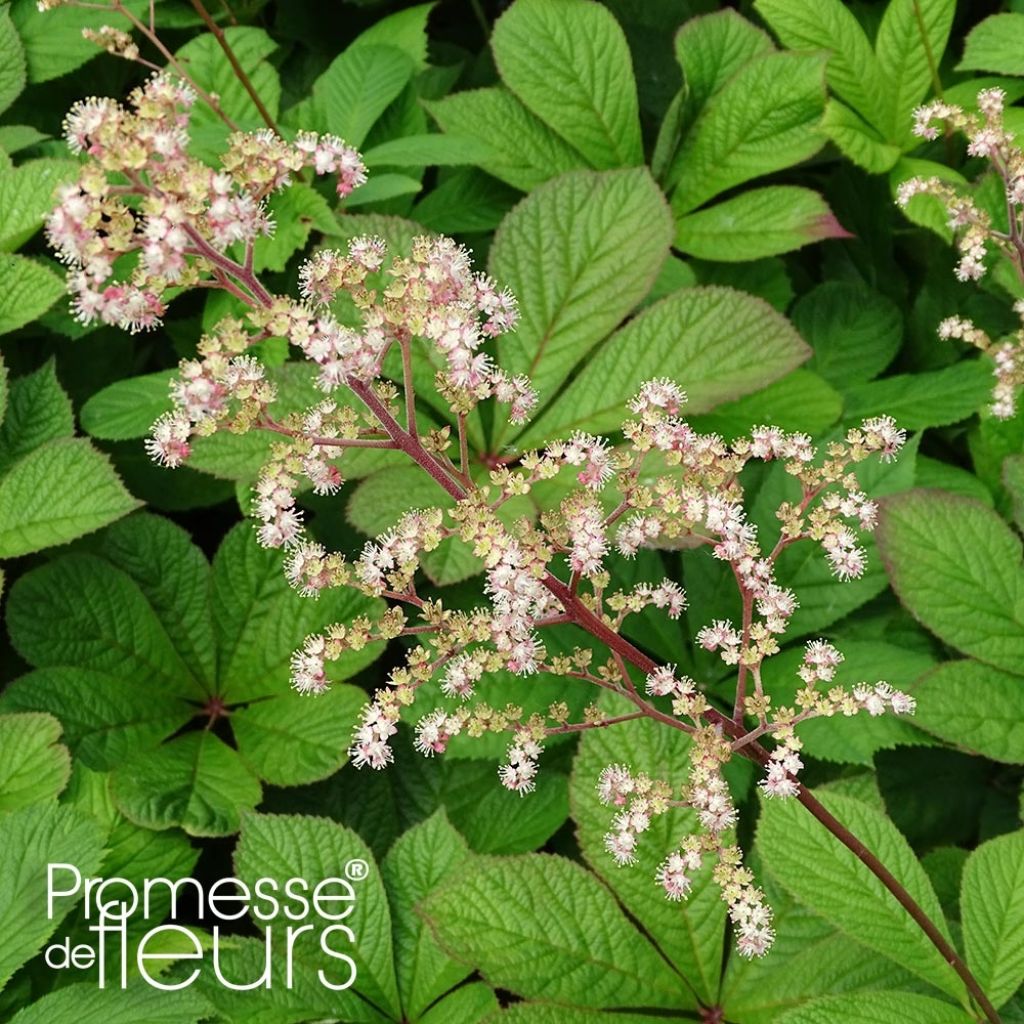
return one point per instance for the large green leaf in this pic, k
(86, 1004)
(61, 490)
(992, 905)
(27, 194)
(12, 62)
(422, 859)
(34, 766)
(877, 1008)
(757, 223)
(689, 934)
(956, 566)
(855, 331)
(910, 44)
(569, 63)
(38, 411)
(996, 44)
(579, 252)
(545, 928)
(32, 838)
(717, 343)
(196, 782)
(829, 879)
(764, 119)
(524, 151)
(30, 289)
(293, 846)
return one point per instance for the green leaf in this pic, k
(422, 859)
(30, 289)
(544, 928)
(86, 1004)
(854, 74)
(690, 934)
(956, 566)
(556, 1013)
(106, 718)
(524, 151)
(59, 491)
(196, 782)
(829, 879)
(992, 903)
(858, 140)
(474, 1003)
(292, 846)
(937, 475)
(918, 400)
(406, 30)
(38, 411)
(717, 343)
(259, 619)
(995, 44)
(53, 40)
(975, 707)
(430, 150)
(34, 766)
(757, 223)
(381, 187)
(127, 408)
(579, 252)
(910, 43)
(297, 211)
(855, 331)
(209, 66)
(838, 739)
(569, 63)
(27, 195)
(16, 137)
(877, 1008)
(712, 48)
(12, 62)
(764, 119)
(33, 838)
(350, 96)
(292, 740)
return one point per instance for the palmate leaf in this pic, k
(877, 1008)
(87, 1004)
(148, 636)
(544, 928)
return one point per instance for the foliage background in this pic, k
(670, 188)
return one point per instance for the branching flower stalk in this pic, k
(976, 235)
(146, 217)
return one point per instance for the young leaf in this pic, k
(975, 707)
(286, 846)
(910, 44)
(855, 331)
(757, 223)
(877, 1008)
(689, 934)
(544, 928)
(765, 118)
(569, 63)
(829, 879)
(853, 72)
(995, 44)
(32, 838)
(579, 252)
(34, 766)
(956, 566)
(196, 782)
(860, 141)
(717, 343)
(422, 859)
(992, 905)
(524, 151)
(61, 490)
(38, 411)
(30, 289)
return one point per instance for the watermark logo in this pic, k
(297, 918)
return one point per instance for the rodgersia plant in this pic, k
(977, 233)
(145, 219)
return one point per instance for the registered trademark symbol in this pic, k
(356, 870)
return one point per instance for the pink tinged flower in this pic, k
(615, 784)
(519, 773)
(672, 877)
(460, 676)
(307, 667)
(669, 596)
(434, 731)
(656, 398)
(168, 443)
(370, 740)
(587, 539)
(622, 847)
(593, 454)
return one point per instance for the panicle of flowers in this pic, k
(391, 561)
(519, 772)
(115, 41)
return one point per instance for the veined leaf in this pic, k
(877, 1008)
(996, 44)
(569, 63)
(956, 566)
(34, 766)
(857, 139)
(30, 289)
(86, 1004)
(27, 195)
(38, 411)
(992, 904)
(12, 62)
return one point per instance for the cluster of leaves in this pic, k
(670, 189)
